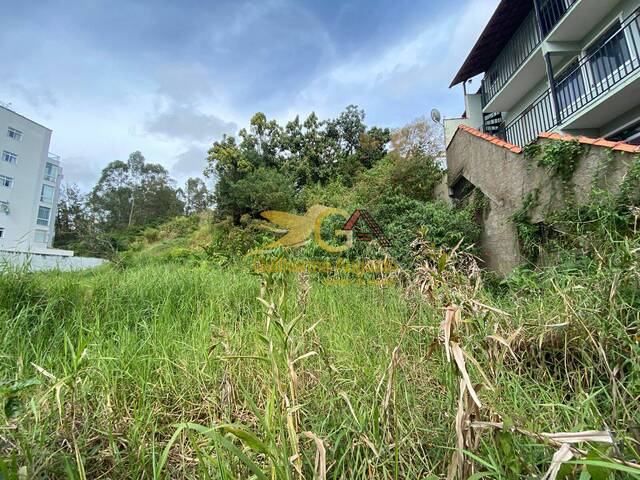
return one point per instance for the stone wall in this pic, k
(506, 177)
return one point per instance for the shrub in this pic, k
(262, 189)
(401, 218)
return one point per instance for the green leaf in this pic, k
(634, 472)
(584, 475)
(442, 262)
(214, 435)
(596, 472)
(165, 453)
(248, 438)
(12, 407)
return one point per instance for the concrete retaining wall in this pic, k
(38, 261)
(506, 178)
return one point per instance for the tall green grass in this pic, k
(171, 370)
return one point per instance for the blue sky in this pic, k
(167, 78)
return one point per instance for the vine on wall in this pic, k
(528, 232)
(562, 159)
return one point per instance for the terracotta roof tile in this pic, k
(598, 142)
(490, 138)
(605, 143)
(625, 147)
(587, 140)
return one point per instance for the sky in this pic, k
(168, 78)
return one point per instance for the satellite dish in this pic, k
(436, 116)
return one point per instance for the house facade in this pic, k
(566, 66)
(29, 184)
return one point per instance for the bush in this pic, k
(401, 218)
(415, 175)
(262, 189)
(233, 240)
(179, 226)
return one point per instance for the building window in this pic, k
(6, 182)
(47, 193)
(43, 216)
(41, 236)
(51, 172)
(570, 85)
(4, 207)
(9, 157)
(608, 53)
(15, 134)
(1, 232)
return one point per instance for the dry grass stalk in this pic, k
(578, 437)
(562, 455)
(459, 358)
(387, 403)
(456, 465)
(320, 470)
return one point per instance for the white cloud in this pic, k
(425, 62)
(191, 161)
(187, 122)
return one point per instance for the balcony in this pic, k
(579, 17)
(521, 66)
(53, 157)
(517, 52)
(591, 93)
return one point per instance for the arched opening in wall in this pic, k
(461, 191)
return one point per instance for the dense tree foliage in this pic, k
(277, 162)
(129, 196)
(134, 193)
(72, 219)
(196, 196)
(339, 162)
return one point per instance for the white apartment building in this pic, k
(29, 184)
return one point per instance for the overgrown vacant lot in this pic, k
(164, 370)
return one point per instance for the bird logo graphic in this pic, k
(299, 228)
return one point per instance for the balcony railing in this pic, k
(521, 46)
(615, 58)
(551, 11)
(523, 42)
(538, 117)
(54, 157)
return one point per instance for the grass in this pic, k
(170, 370)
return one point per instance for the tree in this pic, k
(420, 135)
(72, 219)
(416, 148)
(302, 154)
(134, 193)
(196, 196)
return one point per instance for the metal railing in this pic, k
(615, 60)
(538, 117)
(602, 69)
(551, 11)
(523, 43)
(54, 157)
